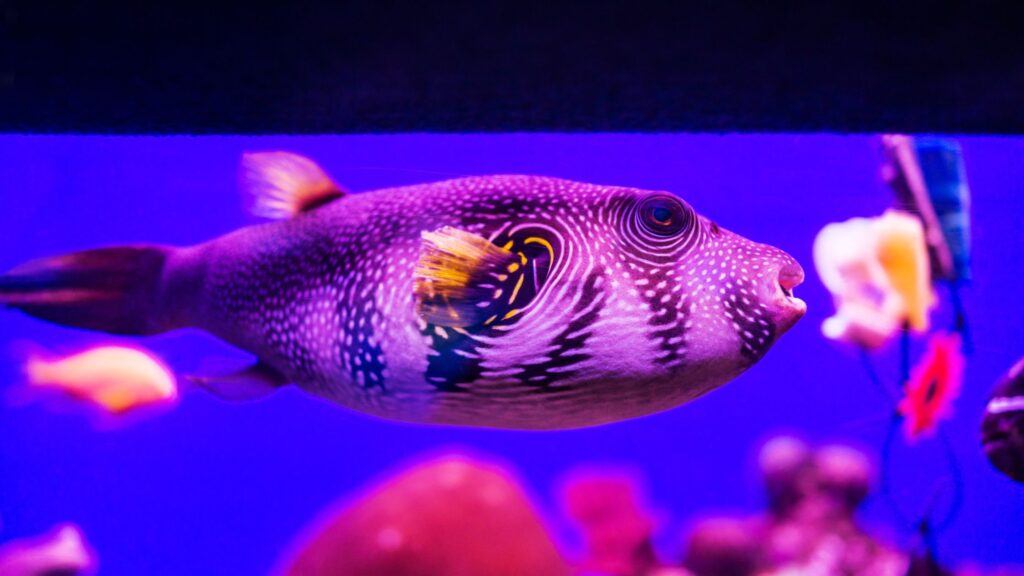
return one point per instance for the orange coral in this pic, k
(877, 271)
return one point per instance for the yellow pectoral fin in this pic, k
(457, 275)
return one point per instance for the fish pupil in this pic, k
(662, 215)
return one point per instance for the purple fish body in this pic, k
(496, 301)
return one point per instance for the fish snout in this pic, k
(1003, 444)
(784, 307)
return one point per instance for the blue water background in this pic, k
(214, 488)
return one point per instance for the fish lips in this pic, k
(786, 312)
(1002, 438)
(785, 308)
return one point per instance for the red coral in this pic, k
(934, 384)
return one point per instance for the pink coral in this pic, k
(454, 515)
(62, 550)
(615, 526)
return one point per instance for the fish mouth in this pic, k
(993, 432)
(789, 307)
(1003, 415)
(1003, 451)
(995, 440)
(997, 430)
(788, 299)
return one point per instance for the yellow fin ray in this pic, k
(457, 270)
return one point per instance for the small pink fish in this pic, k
(116, 378)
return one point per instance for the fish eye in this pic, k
(664, 215)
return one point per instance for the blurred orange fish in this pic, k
(115, 378)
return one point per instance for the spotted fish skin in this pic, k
(498, 301)
(625, 323)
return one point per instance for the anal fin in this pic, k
(252, 383)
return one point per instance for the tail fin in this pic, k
(108, 289)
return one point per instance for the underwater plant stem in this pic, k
(931, 548)
(884, 479)
(926, 526)
(869, 367)
(960, 325)
(905, 354)
(956, 474)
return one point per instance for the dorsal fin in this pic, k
(281, 184)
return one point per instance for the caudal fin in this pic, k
(108, 289)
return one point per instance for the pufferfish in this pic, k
(502, 301)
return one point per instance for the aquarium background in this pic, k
(215, 488)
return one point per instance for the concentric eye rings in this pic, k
(665, 216)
